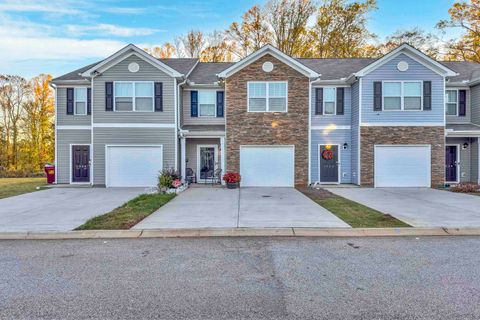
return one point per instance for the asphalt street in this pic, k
(241, 278)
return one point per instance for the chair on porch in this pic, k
(217, 176)
(190, 176)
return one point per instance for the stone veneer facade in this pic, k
(434, 136)
(267, 128)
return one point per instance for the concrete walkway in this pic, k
(60, 209)
(419, 207)
(245, 207)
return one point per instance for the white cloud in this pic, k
(109, 29)
(125, 10)
(59, 7)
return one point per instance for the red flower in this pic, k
(231, 177)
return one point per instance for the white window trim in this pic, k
(75, 101)
(334, 102)
(267, 96)
(133, 96)
(446, 102)
(402, 96)
(206, 90)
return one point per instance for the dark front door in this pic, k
(207, 162)
(80, 163)
(451, 163)
(329, 164)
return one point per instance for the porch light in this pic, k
(345, 146)
(465, 145)
(328, 147)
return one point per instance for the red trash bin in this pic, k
(50, 171)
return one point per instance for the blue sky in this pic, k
(58, 36)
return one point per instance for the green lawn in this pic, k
(10, 187)
(129, 214)
(353, 213)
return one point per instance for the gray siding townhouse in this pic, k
(403, 120)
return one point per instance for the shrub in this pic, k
(167, 177)
(232, 177)
(164, 182)
(465, 187)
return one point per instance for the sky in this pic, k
(59, 36)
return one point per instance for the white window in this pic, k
(267, 96)
(134, 96)
(329, 101)
(80, 95)
(402, 95)
(207, 103)
(451, 101)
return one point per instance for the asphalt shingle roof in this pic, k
(331, 69)
(205, 72)
(182, 65)
(467, 70)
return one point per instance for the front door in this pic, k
(451, 154)
(206, 161)
(80, 163)
(329, 164)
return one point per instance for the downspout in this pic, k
(54, 86)
(177, 127)
(92, 154)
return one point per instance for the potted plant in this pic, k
(232, 179)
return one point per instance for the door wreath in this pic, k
(327, 154)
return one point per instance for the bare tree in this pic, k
(217, 48)
(190, 45)
(167, 50)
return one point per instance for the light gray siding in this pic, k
(186, 114)
(147, 72)
(474, 160)
(131, 136)
(475, 104)
(468, 158)
(64, 139)
(416, 71)
(468, 111)
(355, 134)
(339, 120)
(68, 119)
(191, 152)
(338, 136)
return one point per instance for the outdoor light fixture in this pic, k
(345, 146)
(465, 145)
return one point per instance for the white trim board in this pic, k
(73, 127)
(331, 127)
(134, 125)
(402, 124)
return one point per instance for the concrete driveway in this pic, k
(245, 207)
(419, 207)
(60, 209)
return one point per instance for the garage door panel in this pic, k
(267, 166)
(131, 166)
(402, 166)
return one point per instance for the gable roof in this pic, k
(206, 72)
(125, 52)
(333, 68)
(269, 49)
(412, 53)
(466, 70)
(182, 65)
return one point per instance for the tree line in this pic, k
(332, 29)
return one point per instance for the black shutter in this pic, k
(340, 100)
(220, 99)
(70, 97)
(158, 96)
(194, 103)
(318, 100)
(89, 101)
(427, 95)
(108, 96)
(462, 103)
(377, 96)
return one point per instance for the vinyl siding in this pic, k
(474, 160)
(131, 136)
(468, 158)
(475, 104)
(355, 137)
(147, 72)
(191, 152)
(186, 114)
(339, 120)
(468, 114)
(64, 139)
(338, 136)
(416, 71)
(64, 119)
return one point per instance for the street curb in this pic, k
(241, 232)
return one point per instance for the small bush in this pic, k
(465, 188)
(167, 177)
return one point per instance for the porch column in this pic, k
(183, 158)
(222, 155)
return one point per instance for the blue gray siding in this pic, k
(68, 119)
(64, 139)
(475, 104)
(339, 120)
(468, 158)
(338, 136)
(355, 133)
(147, 72)
(468, 114)
(185, 107)
(416, 71)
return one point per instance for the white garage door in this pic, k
(402, 166)
(133, 166)
(267, 166)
